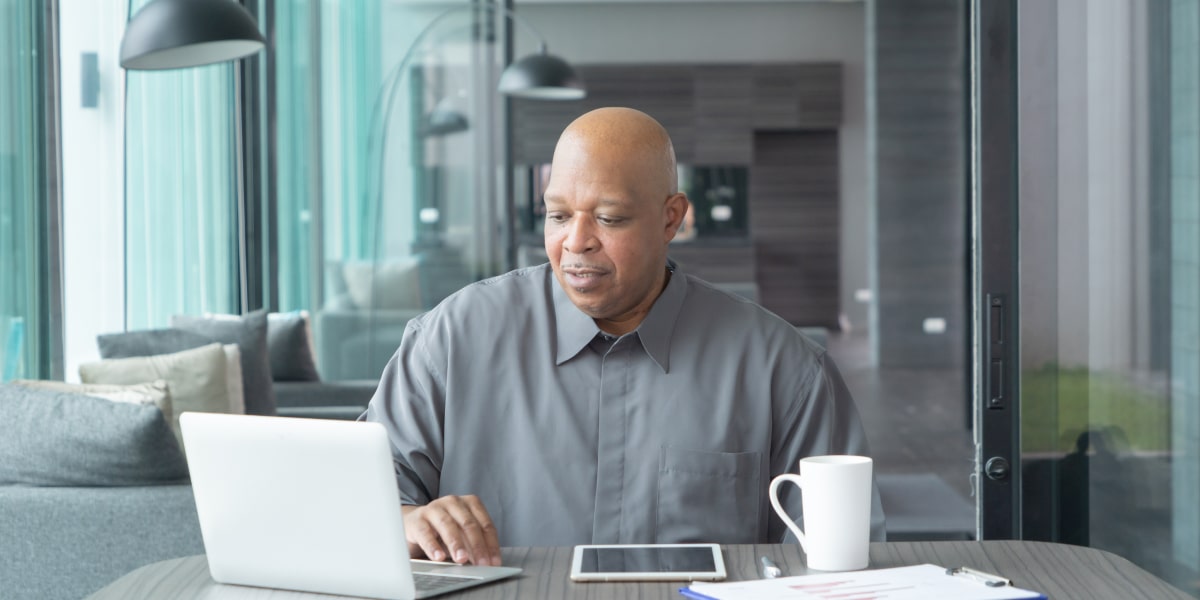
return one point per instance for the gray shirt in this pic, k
(670, 433)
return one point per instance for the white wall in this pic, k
(725, 32)
(93, 180)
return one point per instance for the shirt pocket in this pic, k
(712, 497)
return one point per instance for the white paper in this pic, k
(919, 582)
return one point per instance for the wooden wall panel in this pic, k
(795, 223)
(724, 113)
(711, 111)
(920, 165)
(725, 263)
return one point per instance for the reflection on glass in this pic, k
(719, 200)
(1110, 309)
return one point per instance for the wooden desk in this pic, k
(1060, 571)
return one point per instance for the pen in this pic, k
(770, 570)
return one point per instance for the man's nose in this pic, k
(581, 236)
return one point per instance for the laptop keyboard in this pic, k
(426, 582)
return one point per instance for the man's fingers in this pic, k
(418, 530)
(442, 517)
(491, 537)
(456, 528)
(474, 523)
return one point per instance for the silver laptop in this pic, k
(309, 505)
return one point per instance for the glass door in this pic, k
(1097, 233)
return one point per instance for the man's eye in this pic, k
(609, 220)
(556, 218)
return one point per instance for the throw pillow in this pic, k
(249, 332)
(233, 379)
(289, 344)
(389, 285)
(195, 377)
(149, 342)
(152, 342)
(155, 392)
(53, 438)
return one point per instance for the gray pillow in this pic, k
(55, 438)
(149, 342)
(249, 332)
(289, 347)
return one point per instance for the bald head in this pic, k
(625, 135)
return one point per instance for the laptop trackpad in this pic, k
(442, 568)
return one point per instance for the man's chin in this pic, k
(587, 302)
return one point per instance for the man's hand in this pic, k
(454, 528)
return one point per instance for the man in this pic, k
(605, 397)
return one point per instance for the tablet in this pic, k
(648, 562)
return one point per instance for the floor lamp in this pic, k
(177, 34)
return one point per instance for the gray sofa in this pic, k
(69, 540)
(355, 344)
(369, 303)
(324, 399)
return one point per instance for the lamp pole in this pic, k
(508, 191)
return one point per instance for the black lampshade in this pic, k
(444, 121)
(542, 76)
(172, 34)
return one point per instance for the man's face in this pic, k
(609, 217)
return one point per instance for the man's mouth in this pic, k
(582, 277)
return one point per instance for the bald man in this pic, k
(606, 397)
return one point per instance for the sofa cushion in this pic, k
(387, 285)
(249, 332)
(195, 377)
(289, 344)
(155, 392)
(61, 438)
(356, 393)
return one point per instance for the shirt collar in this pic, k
(656, 329)
(575, 330)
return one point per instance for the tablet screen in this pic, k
(648, 559)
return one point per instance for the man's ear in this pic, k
(675, 210)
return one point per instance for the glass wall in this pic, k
(181, 194)
(388, 137)
(28, 206)
(1110, 279)
(877, 192)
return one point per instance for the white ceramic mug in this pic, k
(836, 497)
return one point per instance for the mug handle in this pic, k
(772, 492)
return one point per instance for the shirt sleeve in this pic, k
(410, 404)
(818, 418)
